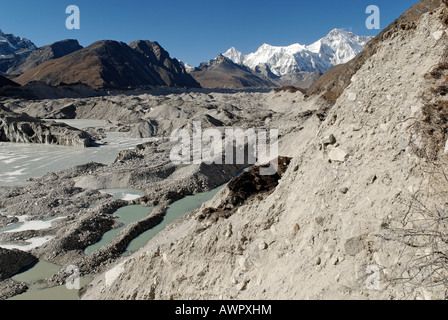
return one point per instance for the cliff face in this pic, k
(22, 128)
(333, 222)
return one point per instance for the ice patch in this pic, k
(24, 225)
(33, 243)
(124, 194)
(130, 197)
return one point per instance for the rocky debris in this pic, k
(81, 233)
(100, 258)
(10, 288)
(22, 128)
(329, 140)
(340, 235)
(37, 90)
(344, 190)
(12, 261)
(6, 220)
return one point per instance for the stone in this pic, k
(402, 145)
(344, 190)
(352, 96)
(338, 155)
(263, 246)
(329, 140)
(437, 35)
(354, 246)
(243, 263)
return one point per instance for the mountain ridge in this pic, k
(222, 72)
(10, 44)
(301, 61)
(113, 64)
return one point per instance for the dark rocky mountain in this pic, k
(224, 73)
(111, 64)
(10, 44)
(170, 70)
(17, 64)
(6, 82)
(6, 61)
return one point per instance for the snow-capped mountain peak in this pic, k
(10, 44)
(189, 68)
(338, 46)
(235, 55)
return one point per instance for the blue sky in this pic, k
(194, 30)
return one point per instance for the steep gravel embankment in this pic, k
(324, 232)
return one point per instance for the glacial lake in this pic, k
(35, 275)
(20, 161)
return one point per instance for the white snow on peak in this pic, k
(234, 55)
(187, 66)
(339, 46)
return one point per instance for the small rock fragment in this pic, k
(338, 155)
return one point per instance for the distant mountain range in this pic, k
(111, 64)
(15, 64)
(299, 64)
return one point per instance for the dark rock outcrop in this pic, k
(246, 186)
(12, 261)
(6, 82)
